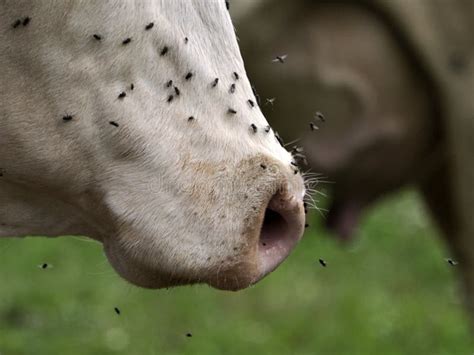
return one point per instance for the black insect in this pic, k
(253, 127)
(236, 76)
(267, 129)
(164, 51)
(231, 111)
(191, 118)
(452, 262)
(305, 206)
(186, 40)
(67, 118)
(122, 95)
(322, 262)
(189, 335)
(16, 23)
(117, 310)
(313, 126)
(177, 91)
(97, 37)
(113, 123)
(257, 96)
(169, 83)
(232, 88)
(306, 225)
(280, 58)
(132, 86)
(251, 103)
(26, 21)
(170, 98)
(126, 41)
(263, 166)
(44, 266)
(215, 82)
(318, 115)
(149, 26)
(227, 4)
(189, 76)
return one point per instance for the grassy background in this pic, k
(391, 292)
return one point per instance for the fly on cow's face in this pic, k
(232, 88)
(188, 76)
(215, 82)
(251, 103)
(97, 37)
(186, 40)
(263, 166)
(170, 98)
(253, 127)
(169, 83)
(236, 76)
(122, 95)
(67, 118)
(16, 23)
(164, 51)
(149, 26)
(113, 123)
(227, 4)
(191, 118)
(126, 41)
(26, 21)
(177, 91)
(267, 129)
(231, 111)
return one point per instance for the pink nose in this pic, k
(282, 228)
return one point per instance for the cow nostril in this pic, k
(274, 226)
(282, 227)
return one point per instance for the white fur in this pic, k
(159, 191)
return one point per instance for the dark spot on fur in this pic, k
(215, 82)
(97, 37)
(113, 123)
(126, 41)
(188, 76)
(149, 26)
(164, 51)
(122, 95)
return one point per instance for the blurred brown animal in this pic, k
(395, 80)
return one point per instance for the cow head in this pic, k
(134, 123)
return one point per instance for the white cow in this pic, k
(133, 122)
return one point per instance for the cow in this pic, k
(134, 123)
(393, 80)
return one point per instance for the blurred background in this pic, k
(390, 292)
(394, 288)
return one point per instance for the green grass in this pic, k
(391, 292)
